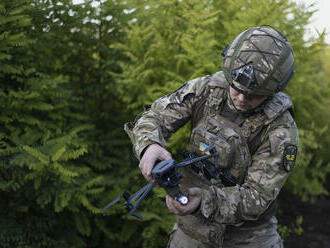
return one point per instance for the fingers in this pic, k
(193, 203)
(194, 191)
(153, 153)
(146, 165)
(165, 155)
(174, 206)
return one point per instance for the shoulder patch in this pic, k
(289, 157)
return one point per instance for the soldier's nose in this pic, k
(242, 97)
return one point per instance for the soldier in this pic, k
(243, 113)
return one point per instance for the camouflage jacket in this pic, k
(270, 131)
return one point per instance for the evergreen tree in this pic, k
(59, 122)
(167, 46)
(37, 143)
(74, 41)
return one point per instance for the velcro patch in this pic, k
(203, 147)
(289, 157)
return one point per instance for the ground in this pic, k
(316, 222)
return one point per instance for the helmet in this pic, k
(259, 61)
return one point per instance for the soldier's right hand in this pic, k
(153, 153)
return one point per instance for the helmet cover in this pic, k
(259, 61)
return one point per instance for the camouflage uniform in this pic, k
(253, 148)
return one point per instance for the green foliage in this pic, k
(57, 140)
(72, 74)
(296, 228)
(173, 45)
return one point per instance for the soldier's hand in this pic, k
(152, 153)
(194, 200)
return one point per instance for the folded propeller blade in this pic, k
(136, 215)
(137, 194)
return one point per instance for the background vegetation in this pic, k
(71, 74)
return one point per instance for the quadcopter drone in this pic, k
(166, 175)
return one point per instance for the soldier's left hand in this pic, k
(194, 200)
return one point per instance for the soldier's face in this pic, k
(243, 102)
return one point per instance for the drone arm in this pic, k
(138, 193)
(147, 189)
(193, 160)
(112, 203)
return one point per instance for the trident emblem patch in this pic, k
(289, 157)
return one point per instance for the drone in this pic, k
(166, 175)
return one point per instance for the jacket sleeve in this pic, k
(165, 116)
(265, 178)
